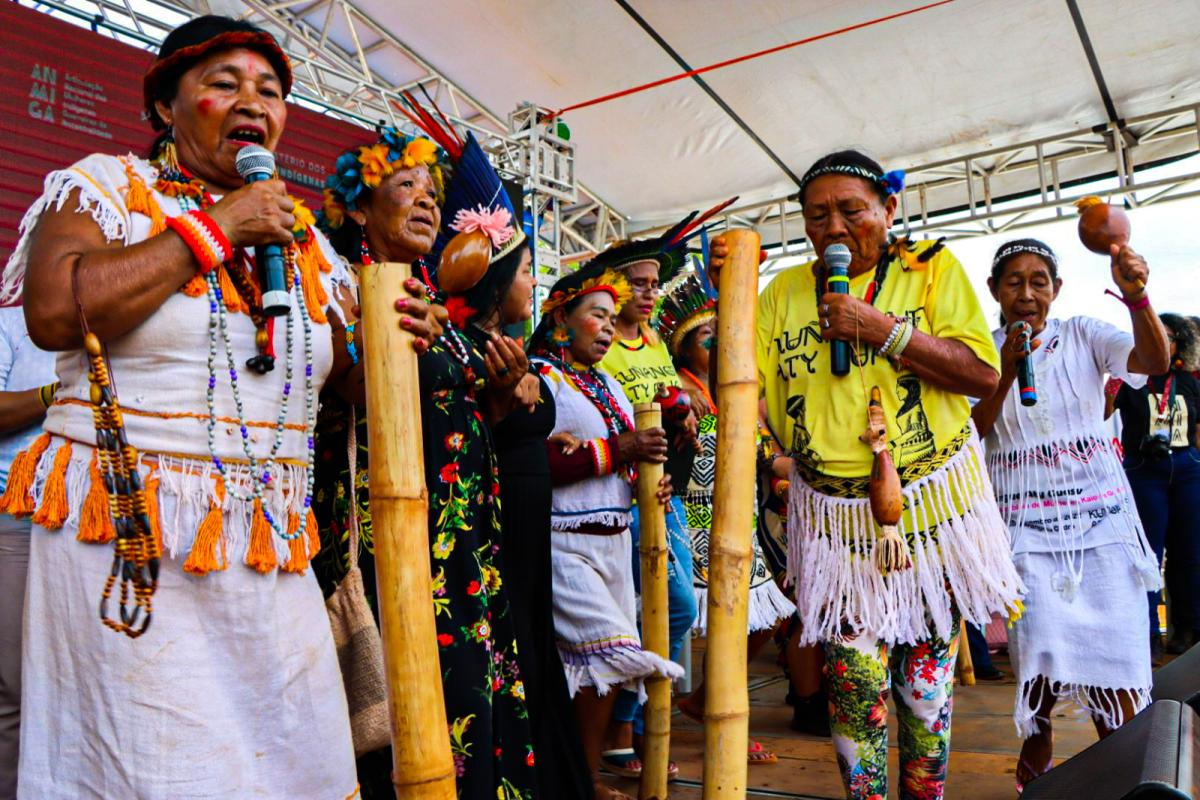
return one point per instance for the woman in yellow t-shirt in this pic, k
(916, 331)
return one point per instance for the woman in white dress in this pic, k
(1076, 538)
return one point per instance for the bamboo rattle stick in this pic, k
(726, 698)
(423, 768)
(655, 626)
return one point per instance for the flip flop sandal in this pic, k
(1033, 772)
(616, 762)
(764, 756)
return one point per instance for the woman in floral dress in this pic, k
(397, 219)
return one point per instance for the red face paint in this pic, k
(204, 106)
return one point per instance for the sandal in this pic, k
(757, 754)
(621, 760)
(1031, 772)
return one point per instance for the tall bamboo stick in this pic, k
(726, 697)
(421, 760)
(655, 636)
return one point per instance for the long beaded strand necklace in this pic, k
(218, 330)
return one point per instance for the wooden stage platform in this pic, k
(983, 757)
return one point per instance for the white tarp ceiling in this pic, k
(945, 82)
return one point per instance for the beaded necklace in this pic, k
(454, 340)
(218, 332)
(590, 383)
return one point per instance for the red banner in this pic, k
(66, 92)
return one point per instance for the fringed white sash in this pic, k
(959, 548)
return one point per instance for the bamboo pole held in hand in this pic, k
(726, 696)
(655, 636)
(421, 761)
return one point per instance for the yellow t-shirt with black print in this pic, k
(819, 416)
(640, 367)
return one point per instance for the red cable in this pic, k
(739, 59)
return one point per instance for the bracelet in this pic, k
(1132, 305)
(897, 340)
(905, 337)
(351, 349)
(208, 243)
(602, 460)
(46, 394)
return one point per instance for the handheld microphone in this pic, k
(256, 163)
(1025, 368)
(837, 262)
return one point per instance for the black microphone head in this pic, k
(837, 257)
(254, 159)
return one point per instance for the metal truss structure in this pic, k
(348, 65)
(1004, 189)
(334, 46)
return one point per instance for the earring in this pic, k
(365, 250)
(561, 336)
(168, 156)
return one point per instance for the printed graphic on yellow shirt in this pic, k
(820, 414)
(640, 367)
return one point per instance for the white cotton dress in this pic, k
(235, 690)
(1076, 537)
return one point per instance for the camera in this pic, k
(1155, 445)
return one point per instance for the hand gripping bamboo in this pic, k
(655, 636)
(726, 697)
(421, 760)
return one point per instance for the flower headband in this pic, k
(1013, 248)
(610, 281)
(892, 181)
(368, 166)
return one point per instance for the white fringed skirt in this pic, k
(958, 544)
(595, 614)
(1087, 647)
(233, 692)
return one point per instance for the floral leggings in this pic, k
(861, 673)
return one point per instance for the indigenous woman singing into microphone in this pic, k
(1076, 538)
(234, 690)
(916, 332)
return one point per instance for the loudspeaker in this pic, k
(1151, 757)
(1180, 680)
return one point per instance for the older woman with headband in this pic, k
(1076, 539)
(139, 272)
(885, 601)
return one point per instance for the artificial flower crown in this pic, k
(566, 291)
(366, 167)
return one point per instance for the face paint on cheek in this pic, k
(707, 343)
(205, 106)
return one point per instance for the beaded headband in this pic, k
(1013, 248)
(892, 182)
(610, 281)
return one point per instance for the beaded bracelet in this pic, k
(889, 346)
(208, 243)
(351, 349)
(602, 460)
(46, 394)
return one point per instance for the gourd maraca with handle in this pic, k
(1102, 225)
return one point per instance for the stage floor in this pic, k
(983, 753)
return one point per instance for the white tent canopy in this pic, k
(938, 84)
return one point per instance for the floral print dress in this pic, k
(485, 697)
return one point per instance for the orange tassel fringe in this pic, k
(298, 548)
(314, 535)
(203, 557)
(18, 495)
(260, 555)
(151, 492)
(95, 520)
(311, 263)
(54, 509)
(139, 198)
